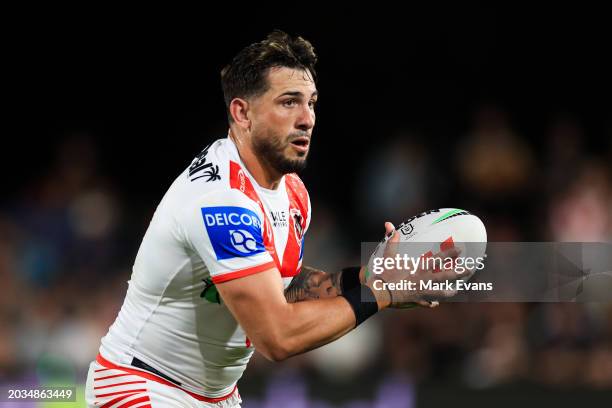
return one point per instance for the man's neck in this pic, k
(263, 175)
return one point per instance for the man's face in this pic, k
(283, 118)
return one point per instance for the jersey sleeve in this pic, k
(225, 229)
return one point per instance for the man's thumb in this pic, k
(389, 228)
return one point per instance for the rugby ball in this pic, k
(441, 224)
(433, 231)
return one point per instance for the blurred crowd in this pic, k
(68, 240)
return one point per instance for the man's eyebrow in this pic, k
(298, 93)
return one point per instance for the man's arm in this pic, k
(280, 329)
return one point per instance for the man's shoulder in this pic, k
(210, 165)
(206, 179)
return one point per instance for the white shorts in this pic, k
(122, 387)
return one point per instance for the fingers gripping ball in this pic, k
(435, 232)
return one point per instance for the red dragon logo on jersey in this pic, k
(297, 223)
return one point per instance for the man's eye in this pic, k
(289, 102)
(312, 104)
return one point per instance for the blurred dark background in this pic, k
(505, 112)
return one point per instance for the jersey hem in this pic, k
(149, 376)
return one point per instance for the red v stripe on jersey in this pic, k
(240, 181)
(298, 200)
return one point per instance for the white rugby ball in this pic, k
(438, 225)
(438, 230)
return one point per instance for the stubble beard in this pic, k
(271, 150)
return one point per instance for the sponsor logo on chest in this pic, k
(279, 219)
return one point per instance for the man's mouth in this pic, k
(301, 144)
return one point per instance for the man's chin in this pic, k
(296, 158)
(299, 165)
(293, 165)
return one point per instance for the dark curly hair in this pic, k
(246, 75)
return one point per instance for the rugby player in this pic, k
(219, 272)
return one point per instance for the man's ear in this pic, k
(239, 109)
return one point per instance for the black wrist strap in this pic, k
(350, 278)
(362, 301)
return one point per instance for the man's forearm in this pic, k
(313, 324)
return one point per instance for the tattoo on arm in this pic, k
(312, 283)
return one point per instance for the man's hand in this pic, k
(418, 296)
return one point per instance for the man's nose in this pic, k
(306, 120)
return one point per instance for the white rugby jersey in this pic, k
(214, 224)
